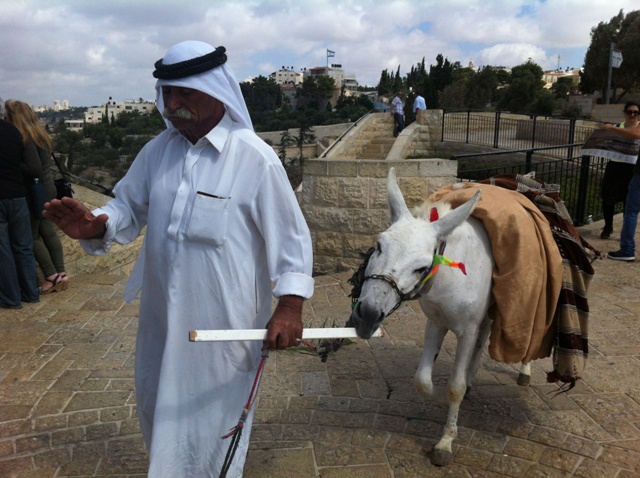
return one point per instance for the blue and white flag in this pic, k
(330, 53)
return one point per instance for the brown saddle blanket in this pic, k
(540, 285)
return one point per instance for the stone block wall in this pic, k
(345, 203)
(332, 131)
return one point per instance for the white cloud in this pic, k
(85, 51)
(511, 54)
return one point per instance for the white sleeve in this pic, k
(287, 238)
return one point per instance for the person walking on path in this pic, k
(224, 233)
(18, 281)
(617, 174)
(397, 112)
(632, 203)
(46, 243)
(418, 104)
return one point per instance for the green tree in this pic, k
(385, 85)
(261, 94)
(624, 31)
(316, 91)
(398, 84)
(562, 87)
(481, 88)
(417, 76)
(453, 95)
(628, 41)
(440, 75)
(525, 87)
(116, 137)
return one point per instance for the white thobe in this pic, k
(223, 232)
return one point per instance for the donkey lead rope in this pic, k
(236, 431)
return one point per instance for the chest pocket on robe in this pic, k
(208, 220)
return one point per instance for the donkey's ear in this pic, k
(397, 206)
(447, 223)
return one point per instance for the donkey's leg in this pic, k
(524, 377)
(456, 388)
(433, 337)
(483, 335)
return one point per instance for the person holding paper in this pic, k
(619, 169)
(630, 131)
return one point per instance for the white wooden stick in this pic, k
(261, 334)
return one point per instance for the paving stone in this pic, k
(508, 465)
(281, 463)
(6, 448)
(32, 442)
(541, 471)
(524, 449)
(404, 465)
(364, 415)
(595, 469)
(315, 383)
(476, 459)
(622, 457)
(342, 455)
(371, 471)
(560, 459)
(92, 400)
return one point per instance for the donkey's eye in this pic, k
(378, 248)
(420, 270)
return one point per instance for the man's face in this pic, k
(192, 112)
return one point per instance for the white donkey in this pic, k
(451, 299)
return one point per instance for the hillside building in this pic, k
(111, 108)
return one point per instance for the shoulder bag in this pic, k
(63, 186)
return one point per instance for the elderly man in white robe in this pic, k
(223, 233)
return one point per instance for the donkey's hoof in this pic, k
(440, 457)
(524, 379)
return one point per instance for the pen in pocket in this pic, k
(210, 195)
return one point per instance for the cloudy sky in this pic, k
(85, 51)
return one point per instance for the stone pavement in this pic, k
(67, 403)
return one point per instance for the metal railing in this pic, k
(344, 133)
(107, 191)
(506, 130)
(578, 178)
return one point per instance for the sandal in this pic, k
(58, 283)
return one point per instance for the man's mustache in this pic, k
(180, 113)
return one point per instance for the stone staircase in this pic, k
(376, 139)
(372, 139)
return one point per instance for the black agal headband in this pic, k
(190, 67)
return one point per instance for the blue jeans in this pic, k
(399, 119)
(18, 272)
(630, 220)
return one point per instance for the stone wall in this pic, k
(345, 203)
(333, 131)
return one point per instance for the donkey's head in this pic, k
(404, 254)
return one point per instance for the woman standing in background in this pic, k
(46, 243)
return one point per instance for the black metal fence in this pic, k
(549, 147)
(514, 131)
(579, 179)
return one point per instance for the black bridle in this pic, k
(414, 293)
(402, 296)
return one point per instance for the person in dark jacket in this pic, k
(18, 270)
(46, 243)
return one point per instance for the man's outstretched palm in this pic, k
(75, 219)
